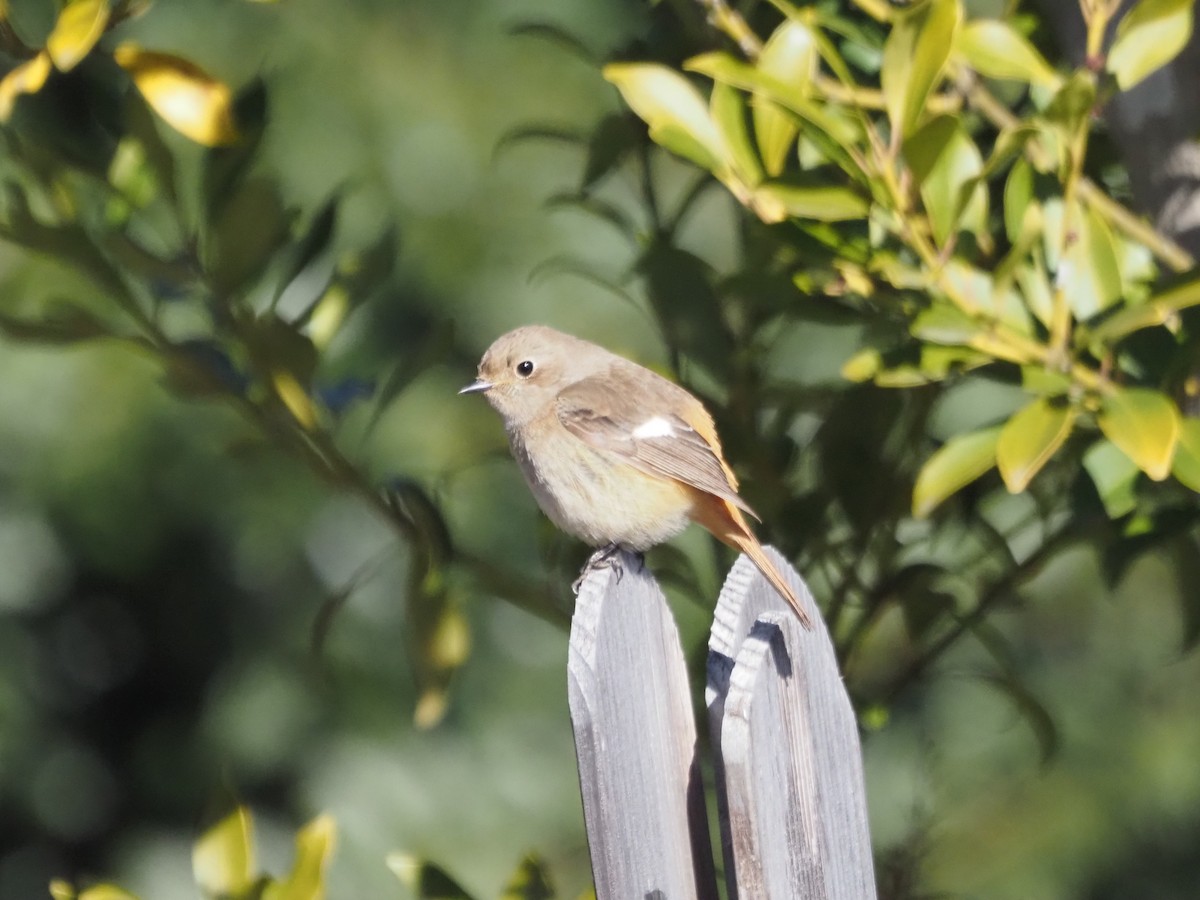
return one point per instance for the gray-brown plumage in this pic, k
(613, 452)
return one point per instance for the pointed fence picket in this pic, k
(787, 763)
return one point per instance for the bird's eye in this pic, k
(525, 368)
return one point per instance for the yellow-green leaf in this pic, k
(790, 55)
(1186, 465)
(1145, 424)
(79, 26)
(947, 165)
(863, 365)
(956, 464)
(825, 204)
(184, 95)
(223, 860)
(314, 849)
(106, 892)
(1149, 37)
(995, 49)
(1030, 438)
(27, 78)
(728, 110)
(673, 109)
(914, 56)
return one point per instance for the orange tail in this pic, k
(726, 522)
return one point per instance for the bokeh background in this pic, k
(161, 575)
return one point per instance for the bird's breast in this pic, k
(593, 494)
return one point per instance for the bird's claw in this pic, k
(607, 556)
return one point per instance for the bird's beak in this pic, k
(476, 387)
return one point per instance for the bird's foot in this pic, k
(608, 556)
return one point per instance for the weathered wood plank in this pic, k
(789, 763)
(635, 738)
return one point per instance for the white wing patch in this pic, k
(655, 427)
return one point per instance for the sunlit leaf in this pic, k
(956, 464)
(914, 56)
(1186, 465)
(27, 78)
(790, 55)
(1114, 475)
(995, 49)
(1030, 438)
(79, 26)
(673, 109)
(106, 892)
(825, 204)
(314, 849)
(947, 164)
(728, 110)
(1149, 37)
(1088, 273)
(184, 95)
(1144, 424)
(223, 860)
(293, 396)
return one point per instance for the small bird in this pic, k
(614, 454)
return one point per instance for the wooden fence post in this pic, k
(790, 793)
(635, 737)
(787, 759)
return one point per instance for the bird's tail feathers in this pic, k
(726, 522)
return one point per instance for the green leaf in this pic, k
(947, 165)
(106, 892)
(914, 56)
(313, 243)
(1031, 709)
(825, 204)
(251, 227)
(1186, 465)
(1030, 438)
(790, 55)
(728, 111)
(79, 27)
(1074, 101)
(944, 323)
(1145, 424)
(1114, 475)
(1088, 272)
(956, 464)
(1149, 36)
(996, 49)
(314, 848)
(673, 109)
(830, 130)
(1018, 194)
(223, 860)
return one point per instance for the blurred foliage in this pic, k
(254, 446)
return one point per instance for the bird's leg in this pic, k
(604, 556)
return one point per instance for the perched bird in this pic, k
(615, 454)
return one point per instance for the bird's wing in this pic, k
(651, 424)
